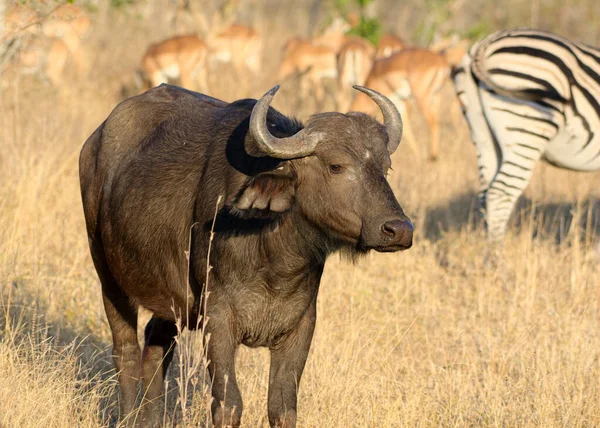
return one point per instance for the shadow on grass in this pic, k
(547, 220)
(24, 328)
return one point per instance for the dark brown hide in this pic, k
(151, 175)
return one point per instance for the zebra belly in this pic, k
(573, 149)
(565, 157)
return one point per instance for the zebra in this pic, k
(528, 95)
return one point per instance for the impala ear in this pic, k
(268, 193)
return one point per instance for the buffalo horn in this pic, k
(296, 146)
(391, 116)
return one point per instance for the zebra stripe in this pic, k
(528, 95)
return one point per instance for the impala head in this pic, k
(333, 173)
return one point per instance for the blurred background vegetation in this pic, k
(123, 29)
(418, 21)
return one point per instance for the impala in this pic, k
(313, 63)
(180, 58)
(389, 44)
(417, 74)
(354, 61)
(239, 46)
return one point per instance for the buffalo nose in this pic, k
(399, 232)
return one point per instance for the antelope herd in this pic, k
(399, 72)
(42, 44)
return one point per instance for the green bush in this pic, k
(368, 28)
(121, 3)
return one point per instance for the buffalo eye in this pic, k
(336, 169)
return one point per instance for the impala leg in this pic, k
(156, 357)
(431, 111)
(188, 74)
(319, 94)
(407, 130)
(57, 58)
(457, 118)
(287, 364)
(186, 81)
(199, 75)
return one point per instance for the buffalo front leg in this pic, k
(226, 407)
(156, 357)
(288, 358)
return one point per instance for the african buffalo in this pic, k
(291, 194)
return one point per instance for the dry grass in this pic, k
(45, 385)
(450, 333)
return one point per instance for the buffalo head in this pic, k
(333, 173)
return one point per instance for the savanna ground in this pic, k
(449, 333)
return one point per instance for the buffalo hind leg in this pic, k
(122, 318)
(288, 358)
(159, 345)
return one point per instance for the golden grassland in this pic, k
(449, 333)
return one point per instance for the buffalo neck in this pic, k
(284, 255)
(297, 243)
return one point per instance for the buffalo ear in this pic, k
(266, 193)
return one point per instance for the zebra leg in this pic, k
(487, 165)
(505, 189)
